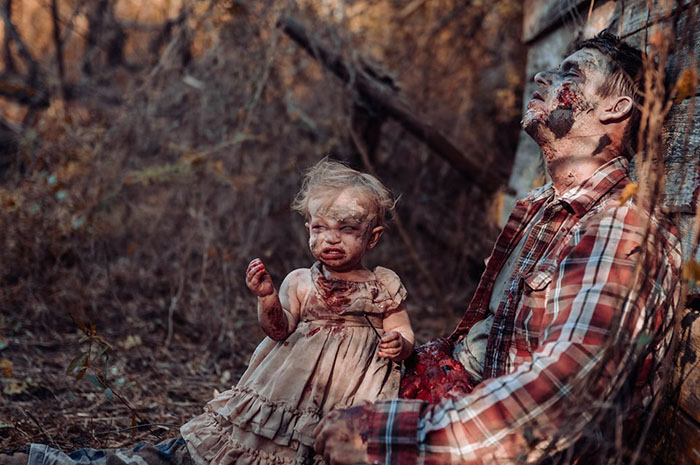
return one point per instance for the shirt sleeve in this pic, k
(507, 417)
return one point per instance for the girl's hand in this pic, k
(391, 345)
(258, 279)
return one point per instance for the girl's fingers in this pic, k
(255, 264)
(255, 274)
(256, 278)
(256, 267)
(391, 336)
(391, 348)
(387, 354)
(392, 343)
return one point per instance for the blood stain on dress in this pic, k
(313, 331)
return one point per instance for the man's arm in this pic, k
(505, 415)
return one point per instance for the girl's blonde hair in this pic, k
(334, 176)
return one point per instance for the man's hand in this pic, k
(339, 436)
(392, 346)
(258, 279)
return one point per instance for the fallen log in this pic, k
(383, 94)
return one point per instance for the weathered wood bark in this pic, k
(384, 95)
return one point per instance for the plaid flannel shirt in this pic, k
(569, 288)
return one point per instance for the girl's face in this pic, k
(341, 229)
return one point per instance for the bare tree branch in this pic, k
(58, 43)
(29, 90)
(11, 31)
(7, 52)
(418, 124)
(105, 34)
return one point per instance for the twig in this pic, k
(411, 8)
(145, 425)
(372, 326)
(121, 399)
(590, 11)
(7, 52)
(43, 430)
(173, 306)
(11, 31)
(251, 105)
(58, 43)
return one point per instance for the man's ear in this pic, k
(374, 236)
(308, 227)
(616, 109)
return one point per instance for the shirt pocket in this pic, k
(535, 294)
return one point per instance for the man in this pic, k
(561, 287)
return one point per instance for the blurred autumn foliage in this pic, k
(149, 150)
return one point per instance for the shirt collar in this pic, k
(581, 199)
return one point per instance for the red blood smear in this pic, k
(277, 320)
(332, 291)
(431, 373)
(567, 97)
(314, 331)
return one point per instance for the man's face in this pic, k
(566, 100)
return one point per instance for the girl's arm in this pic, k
(397, 342)
(277, 313)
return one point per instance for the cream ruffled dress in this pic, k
(328, 362)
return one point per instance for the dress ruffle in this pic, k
(213, 440)
(276, 421)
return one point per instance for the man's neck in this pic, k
(569, 165)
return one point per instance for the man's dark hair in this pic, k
(626, 72)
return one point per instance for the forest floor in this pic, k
(163, 386)
(42, 403)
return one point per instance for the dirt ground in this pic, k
(163, 386)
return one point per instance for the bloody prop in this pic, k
(432, 374)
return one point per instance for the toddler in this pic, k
(334, 331)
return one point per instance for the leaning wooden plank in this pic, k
(540, 16)
(682, 138)
(635, 16)
(395, 106)
(627, 20)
